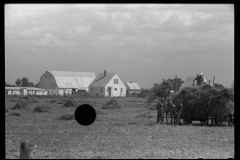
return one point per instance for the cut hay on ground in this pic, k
(99, 111)
(113, 104)
(147, 114)
(14, 114)
(39, 109)
(70, 103)
(67, 117)
(61, 101)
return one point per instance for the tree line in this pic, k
(22, 83)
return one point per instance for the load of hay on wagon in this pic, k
(204, 102)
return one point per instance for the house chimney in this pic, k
(105, 72)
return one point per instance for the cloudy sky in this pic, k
(143, 43)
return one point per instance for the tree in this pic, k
(177, 82)
(160, 90)
(36, 85)
(18, 82)
(219, 86)
(30, 84)
(24, 82)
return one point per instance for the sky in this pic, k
(142, 43)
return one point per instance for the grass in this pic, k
(116, 134)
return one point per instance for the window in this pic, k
(46, 76)
(49, 76)
(115, 89)
(115, 81)
(121, 90)
(91, 89)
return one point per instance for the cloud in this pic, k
(47, 41)
(82, 29)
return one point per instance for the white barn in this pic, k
(64, 82)
(107, 85)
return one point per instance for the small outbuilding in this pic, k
(132, 88)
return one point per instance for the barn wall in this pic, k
(47, 81)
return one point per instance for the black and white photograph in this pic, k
(119, 80)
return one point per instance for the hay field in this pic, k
(116, 133)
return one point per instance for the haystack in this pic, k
(67, 117)
(42, 108)
(23, 103)
(113, 104)
(70, 103)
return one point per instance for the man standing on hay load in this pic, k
(200, 79)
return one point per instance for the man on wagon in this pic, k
(200, 79)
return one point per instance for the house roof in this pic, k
(189, 81)
(101, 81)
(133, 86)
(76, 80)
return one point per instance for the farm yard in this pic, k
(130, 131)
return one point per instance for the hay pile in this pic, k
(14, 114)
(54, 101)
(205, 101)
(61, 101)
(13, 100)
(98, 111)
(34, 99)
(113, 104)
(23, 103)
(70, 103)
(67, 117)
(40, 109)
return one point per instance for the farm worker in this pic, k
(159, 111)
(199, 79)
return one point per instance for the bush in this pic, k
(34, 99)
(67, 117)
(112, 104)
(13, 100)
(41, 109)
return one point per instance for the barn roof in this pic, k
(101, 81)
(77, 80)
(189, 81)
(133, 86)
(20, 88)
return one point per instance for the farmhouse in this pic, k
(189, 82)
(64, 82)
(107, 84)
(132, 88)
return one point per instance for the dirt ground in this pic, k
(114, 134)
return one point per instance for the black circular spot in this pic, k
(85, 114)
